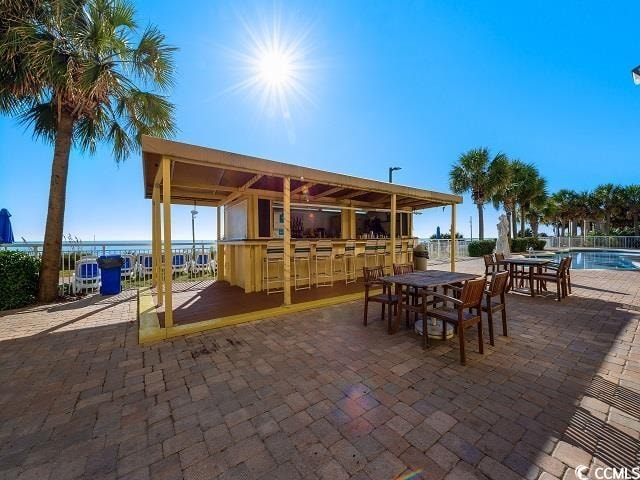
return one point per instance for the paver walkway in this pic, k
(316, 395)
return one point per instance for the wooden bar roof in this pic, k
(214, 177)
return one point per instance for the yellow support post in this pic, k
(156, 250)
(286, 206)
(166, 210)
(218, 224)
(219, 246)
(454, 242)
(154, 274)
(393, 229)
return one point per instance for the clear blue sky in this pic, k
(412, 84)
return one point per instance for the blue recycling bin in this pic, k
(110, 270)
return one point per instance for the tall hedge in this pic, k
(478, 248)
(521, 244)
(18, 279)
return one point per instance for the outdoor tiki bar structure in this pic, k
(264, 201)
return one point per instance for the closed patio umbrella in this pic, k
(6, 233)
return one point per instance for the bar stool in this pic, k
(370, 253)
(411, 244)
(301, 255)
(347, 262)
(381, 249)
(274, 258)
(324, 259)
(399, 251)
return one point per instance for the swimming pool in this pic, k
(602, 259)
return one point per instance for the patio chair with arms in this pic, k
(496, 290)
(372, 277)
(410, 295)
(489, 264)
(461, 315)
(553, 274)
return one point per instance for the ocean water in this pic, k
(114, 246)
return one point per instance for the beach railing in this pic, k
(77, 262)
(603, 242)
(440, 249)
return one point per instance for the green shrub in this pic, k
(522, 244)
(481, 247)
(18, 279)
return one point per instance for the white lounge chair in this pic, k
(202, 263)
(145, 264)
(178, 263)
(128, 266)
(86, 275)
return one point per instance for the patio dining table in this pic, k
(422, 280)
(532, 263)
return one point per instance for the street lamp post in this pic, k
(391, 170)
(194, 212)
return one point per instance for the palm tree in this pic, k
(580, 206)
(535, 215)
(475, 172)
(563, 204)
(551, 214)
(631, 194)
(607, 197)
(532, 190)
(77, 74)
(508, 195)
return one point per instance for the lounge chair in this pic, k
(178, 263)
(145, 264)
(202, 263)
(86, 275)
(128, 266)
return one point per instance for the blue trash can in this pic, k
(110, 270)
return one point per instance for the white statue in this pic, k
(502, 245)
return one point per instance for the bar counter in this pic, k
(241, 262)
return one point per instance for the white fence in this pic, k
(79, 272)
(441, 249)
(592, 242)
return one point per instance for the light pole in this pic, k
(471, 227)
(194, 212)
(391, 170)
(635, 74)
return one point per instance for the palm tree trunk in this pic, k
(607, 223)
(50, 268)
(635, 225)
(514, 223)
(522, 221)
(508, 213)
(480, 221)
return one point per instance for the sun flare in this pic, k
(274, 68)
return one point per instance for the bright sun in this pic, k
(275, 69)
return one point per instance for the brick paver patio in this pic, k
(316, 395)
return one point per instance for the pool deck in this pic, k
(315, 395)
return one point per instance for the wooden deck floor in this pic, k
(206, 300)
